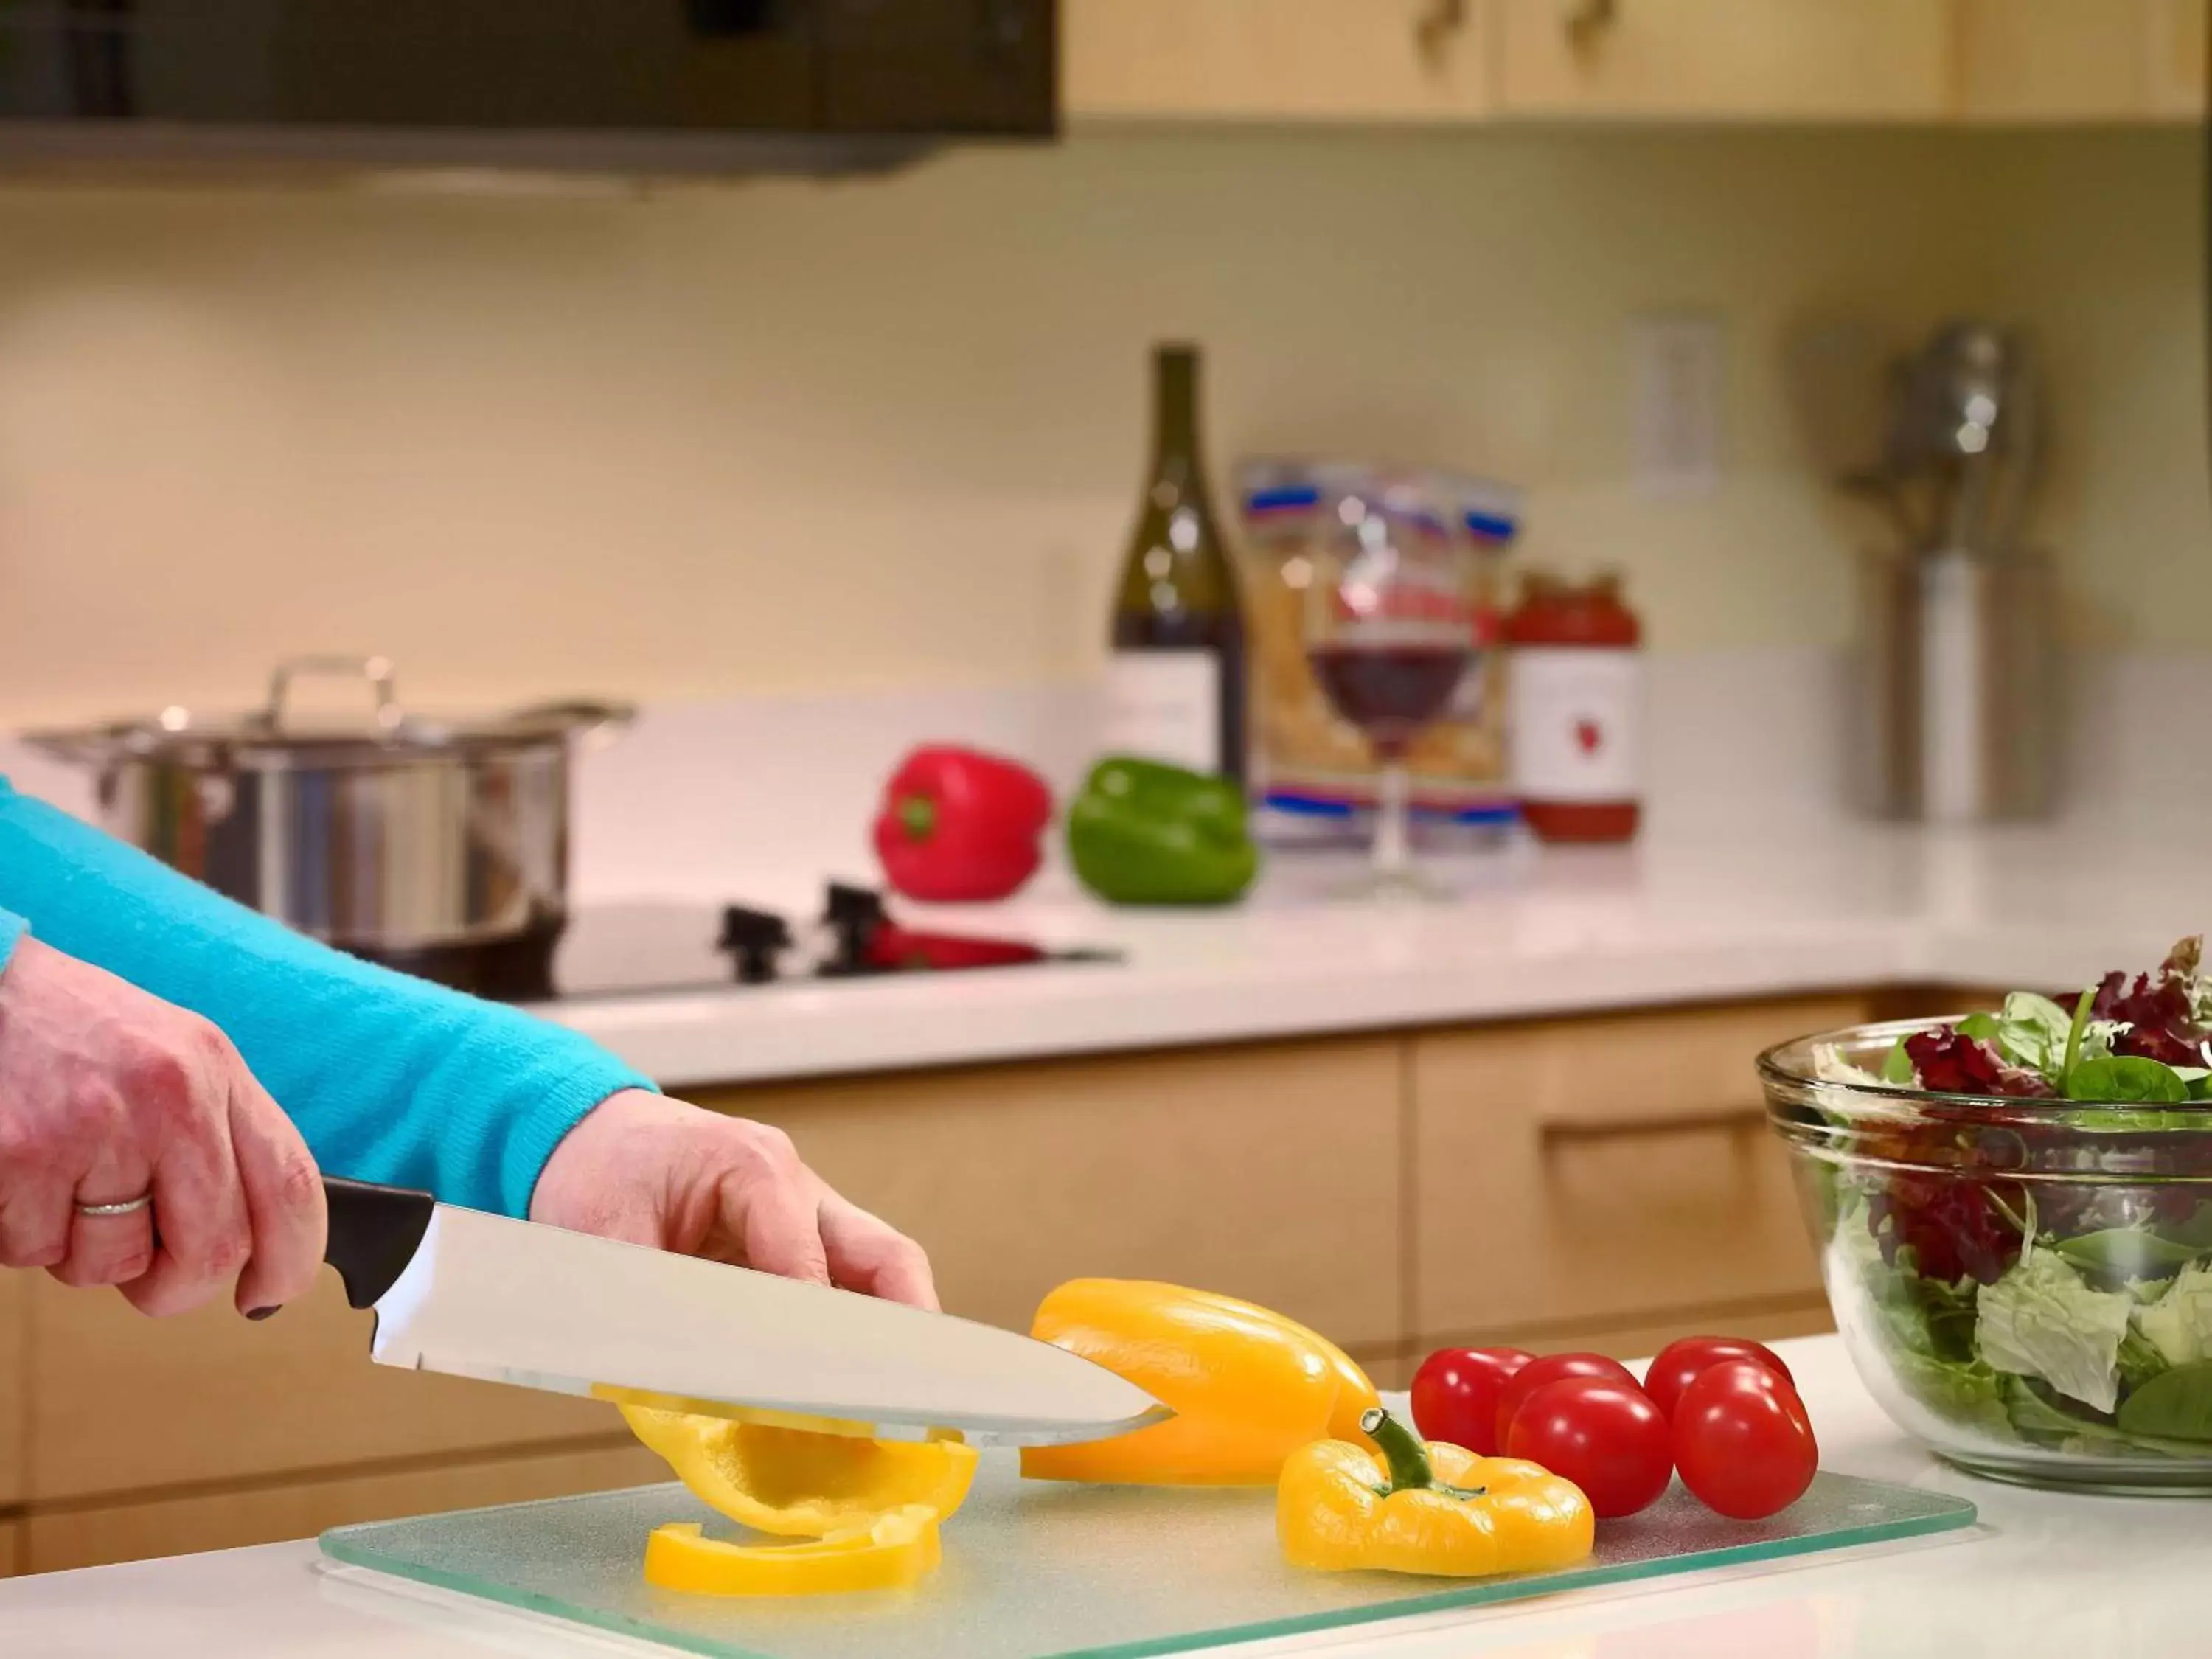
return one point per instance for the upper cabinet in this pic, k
(1856, 60)
(1277, 60)
(1433, 61)
(2080, 60)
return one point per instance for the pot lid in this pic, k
(382, 731)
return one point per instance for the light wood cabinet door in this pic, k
(2080, 60)
(1845, 60)
(93, 1537)
(120, 1402)
(11, 1544)
(1271, 1173)
(1258, 60)
(1605, 1171)
(14, 1388)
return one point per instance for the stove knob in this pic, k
(753, 937)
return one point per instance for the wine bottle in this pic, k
(1175, 682)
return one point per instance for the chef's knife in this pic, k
(484, 1296)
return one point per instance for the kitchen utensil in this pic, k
(1879, 1168)
(437, 846)
(1958, 691)
(1034, 1569)
(1964, 373)
(1840, 389)
(484, 1296)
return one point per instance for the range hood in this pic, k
(572, 87)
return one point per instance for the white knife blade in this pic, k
(484, 1296)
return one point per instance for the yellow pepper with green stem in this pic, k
(1431, 1508)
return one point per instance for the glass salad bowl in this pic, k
(2023, 1279)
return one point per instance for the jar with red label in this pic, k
(1574, 703)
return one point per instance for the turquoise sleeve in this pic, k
(390, 1079)
(11, 927)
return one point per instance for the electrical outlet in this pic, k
(1674, 403)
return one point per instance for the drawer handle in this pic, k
(1589, 23)
(1720, 1120)
(1439, 24)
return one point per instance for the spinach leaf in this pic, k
(1964, 1392)
(2139, 1360)
(1896, 1068)
(2048, 1419)
(2080, 1024)
(2117, 1255)
(2124, 1078)
(2034, 1029)
(2175, 1405)
(1983, 1027)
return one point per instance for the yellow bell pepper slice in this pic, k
(801, 1485)
(1429, 1508)
(891, 1551)
(1248, 1386)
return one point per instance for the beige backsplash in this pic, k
(788, 436)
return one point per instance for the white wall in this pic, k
(791, 436)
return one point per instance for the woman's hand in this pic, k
(651, 1171)
(106, 1095)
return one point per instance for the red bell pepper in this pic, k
(959, 826)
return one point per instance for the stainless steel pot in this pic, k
(438, 846)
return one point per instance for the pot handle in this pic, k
(377, 671)
(594, 725)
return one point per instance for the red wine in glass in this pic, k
(1390, 690)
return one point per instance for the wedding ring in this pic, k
(128, 1207)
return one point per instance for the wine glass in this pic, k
(1390, 634)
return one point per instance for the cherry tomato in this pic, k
(1455, 1394)
(1600, 1432)
(1551, 1368)
(1742, 1440)
(1670, 1371)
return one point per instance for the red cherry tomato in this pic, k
(1601, 1433)
(1455, 1394)
(1676, 1364)
(1552, 1367)
(1743, 1442)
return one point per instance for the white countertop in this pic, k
(1713, 907)
(2070, 1576)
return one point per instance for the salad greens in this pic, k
(2074, 1315)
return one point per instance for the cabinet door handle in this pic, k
(1719, 1120)
(1439, 23)
(1588, 23)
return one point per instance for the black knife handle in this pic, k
(374, 1231)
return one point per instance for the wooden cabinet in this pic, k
(1271, 1173)
(15, 1393)
(11, 1543)
(2080, 60)
(91, 1537)
(1616, 1170)
(1776, 59)
(119, 1402)
(1342, 60)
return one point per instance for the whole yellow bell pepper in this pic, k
(897, 1548)
(798, 1484)
(1248, 1386)
(1427, 1508)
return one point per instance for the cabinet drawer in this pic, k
(15, 1365)
(2080, 60)
(1593, 1171)
(91, 1537)
(1773, 59)
(121, 1402)
(1346, 60)
(1270, 1173)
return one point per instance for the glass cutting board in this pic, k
(1042, 1571)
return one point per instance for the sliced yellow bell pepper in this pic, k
(894, 1549)
(802, 1485)
(1427, 1509)
(1248, 1386)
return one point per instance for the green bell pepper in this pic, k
(1143, 833)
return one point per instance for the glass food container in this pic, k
(2024, 1284)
